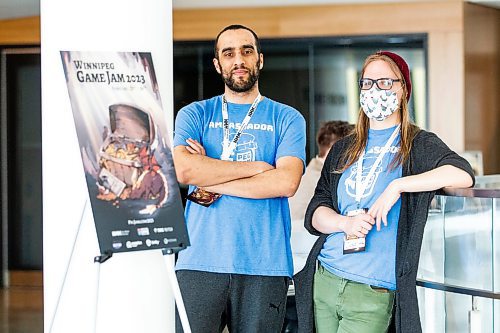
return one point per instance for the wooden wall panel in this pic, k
(482, 84)
(328, 20)
(446, 87)
(23, 31)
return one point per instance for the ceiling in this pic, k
(24, 8)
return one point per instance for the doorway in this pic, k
(21, 167)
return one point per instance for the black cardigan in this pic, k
(427, 153)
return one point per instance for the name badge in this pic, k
(353, 244)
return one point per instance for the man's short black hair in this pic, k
(236, 27)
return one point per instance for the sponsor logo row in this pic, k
(148, 242)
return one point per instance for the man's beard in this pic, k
(241, 85)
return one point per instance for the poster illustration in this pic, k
(125, 150)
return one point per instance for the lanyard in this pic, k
(360, 184)
(229, 146)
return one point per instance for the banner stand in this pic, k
(174, 284)
(99, 260)
(67, 267)
(103, 257)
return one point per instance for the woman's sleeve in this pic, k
(435, 153)
(323, 192)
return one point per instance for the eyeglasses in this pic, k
(382, 84)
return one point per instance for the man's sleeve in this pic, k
(188, 124)
(292, 136)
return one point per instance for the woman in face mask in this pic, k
(369, 209)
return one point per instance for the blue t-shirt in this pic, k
(238, 235)
(376, 265)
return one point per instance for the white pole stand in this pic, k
(174, 284)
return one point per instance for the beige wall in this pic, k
(444, 21)
(482, 84)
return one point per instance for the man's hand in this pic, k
(195, 147)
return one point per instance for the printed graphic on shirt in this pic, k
(368, 161)
(246, 148)
(261, 127)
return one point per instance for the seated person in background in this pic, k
(329, 133)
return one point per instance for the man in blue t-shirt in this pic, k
(242, 155)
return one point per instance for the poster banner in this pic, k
(125, 150)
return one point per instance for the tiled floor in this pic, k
(21, 310)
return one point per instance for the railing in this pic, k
(459, 272)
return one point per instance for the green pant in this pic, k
(344, 306)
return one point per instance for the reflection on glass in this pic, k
(431, 268)
(460, 248)
(468, 247)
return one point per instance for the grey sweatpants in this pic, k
(245, 303)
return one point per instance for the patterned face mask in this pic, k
(378, 104)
